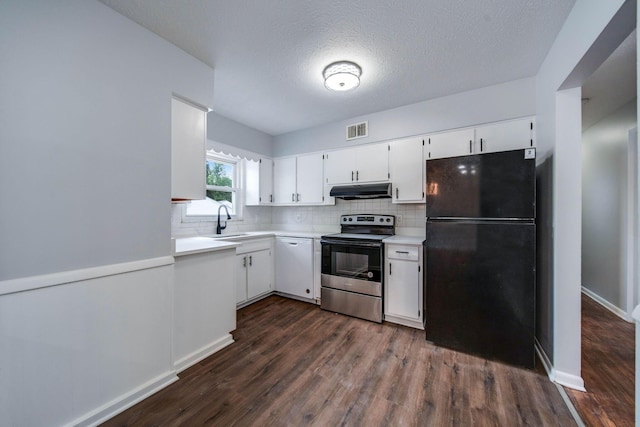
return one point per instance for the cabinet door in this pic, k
(340, 166)
(294, 266)
(406, 170)
(403, 289)
(284, 180)
(258, 182)
(372, 163)
(309, 183)
(241, 278)
(259, 273)
(513, 135)
(266, 181)
(188, 134)
(449, 144)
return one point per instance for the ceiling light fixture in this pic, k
(342, 76)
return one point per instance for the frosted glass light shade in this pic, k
(342, 76)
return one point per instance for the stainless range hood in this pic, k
(362, 191)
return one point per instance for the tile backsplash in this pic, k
(409, 218)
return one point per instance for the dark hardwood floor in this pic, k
(294, 364)
(608, 368)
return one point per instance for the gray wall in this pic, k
(577, 51)
(544, 255)
(494, 103)
(604, 205)
(85, 137)
(229, 132)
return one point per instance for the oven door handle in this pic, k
(351, 243)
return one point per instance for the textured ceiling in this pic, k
(269, 55)
(612, 85)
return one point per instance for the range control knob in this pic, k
(388, 219)
(350, 219)
(344, 219)
(381, 219)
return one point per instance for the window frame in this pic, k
(237, 194)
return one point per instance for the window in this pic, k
(222, 178)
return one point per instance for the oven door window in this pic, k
(354, 262)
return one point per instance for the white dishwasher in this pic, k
(294, 266)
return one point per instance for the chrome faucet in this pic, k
(220, 228)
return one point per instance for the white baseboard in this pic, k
(402, 321)
(202, 353)
(606, 304)
(568, 380)
(125, 401)
(562, 378)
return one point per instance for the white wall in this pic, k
(494, 103)
(604, 206)
(591, 32)
(229, 132)
(85, 136)
(86, 276)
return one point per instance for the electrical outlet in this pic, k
(398, 219)
(298, 217)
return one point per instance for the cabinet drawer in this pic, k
(410, 253)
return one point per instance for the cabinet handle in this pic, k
(271, 198)
(397, 192)
(293, 197)
(402, 252)
(250, 260)
(480, 144)
(297, 197)
(470, 146)
(244, 262)
(357, 173)
(389, 269)
(351, 175)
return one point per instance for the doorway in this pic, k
(609, 221)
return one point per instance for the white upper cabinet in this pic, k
(406, 170)
(365, 163)
(284, 180)
(340, 166)
(309, 185)
(491, 138)
(259, 182)
(449, 144)
(505, 136)
(298, 180)
(188, 135)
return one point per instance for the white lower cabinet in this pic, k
(254, 266)
(403, 285)
(294, 266)
(203, 305)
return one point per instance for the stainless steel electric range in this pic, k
(352, 266)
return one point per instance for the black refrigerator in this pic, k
(480, 255)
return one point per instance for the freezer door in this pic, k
(493, 185)
(480, 287)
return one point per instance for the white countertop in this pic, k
(194, 245)
(198, 244)
(404, 240)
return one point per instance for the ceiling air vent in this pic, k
(358, 130)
